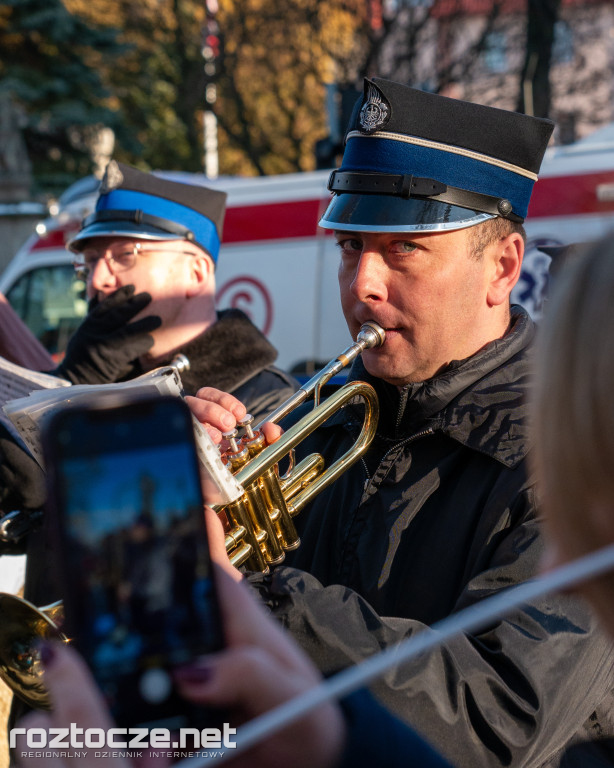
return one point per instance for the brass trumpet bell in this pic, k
(23, 627)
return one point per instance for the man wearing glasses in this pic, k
(442, 510)
(148, 256)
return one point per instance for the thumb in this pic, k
(76, 703)
(272, 432)
(144, 325)
(74, 694)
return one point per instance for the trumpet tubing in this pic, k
(259, 525)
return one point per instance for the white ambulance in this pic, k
(280, 268)
(275, 264)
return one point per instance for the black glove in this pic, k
(106, 346)
(22, 490)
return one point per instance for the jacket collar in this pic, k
(459, 401)
(227, 354)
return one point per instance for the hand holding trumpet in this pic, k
(259, 526)
(219, 412)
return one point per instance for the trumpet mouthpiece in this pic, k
(371, 335)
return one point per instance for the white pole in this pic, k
(210, 143)
(471, 619)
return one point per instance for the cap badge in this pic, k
(375, 112)
(112, 178)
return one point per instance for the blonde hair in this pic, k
(573, 409)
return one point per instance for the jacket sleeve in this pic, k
(22, 489)
(513, 694)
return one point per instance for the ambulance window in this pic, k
(51, 302)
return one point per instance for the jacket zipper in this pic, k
(411, 438)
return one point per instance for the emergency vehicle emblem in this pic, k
(375, 112)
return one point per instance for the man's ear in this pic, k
(506, 255)
(201, 275)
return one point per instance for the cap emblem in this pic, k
(112, 179)
(375, 112)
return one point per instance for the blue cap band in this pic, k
(385, 155)
(205, 231)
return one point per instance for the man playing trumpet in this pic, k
(427, 211)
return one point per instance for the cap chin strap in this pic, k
(138, 217)
(405, 185)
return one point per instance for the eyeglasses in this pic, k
(118, 259)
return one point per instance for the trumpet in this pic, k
(23, 627)
(259, 525)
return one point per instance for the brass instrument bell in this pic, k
(23, 627)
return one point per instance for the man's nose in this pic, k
(370, 278)
(101, 277)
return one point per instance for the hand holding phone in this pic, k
(127, 508)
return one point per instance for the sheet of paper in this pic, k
(28, 415)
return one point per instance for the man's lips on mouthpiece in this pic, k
(390, 330)
(390, 334)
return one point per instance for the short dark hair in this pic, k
(482, 235)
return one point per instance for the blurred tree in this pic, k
(48, 69)
(158, 79)
(276, 58)
(280, 75)
(429, 44)
(272, 58)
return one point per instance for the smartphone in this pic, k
(126, 506)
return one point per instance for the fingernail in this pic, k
(193, 675)
(228, 421)
(47, 654)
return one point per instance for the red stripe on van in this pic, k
(55, 239)
(273, 221)
(552, 196)
(571, 195)
(245, 223)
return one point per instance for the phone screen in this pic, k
(139, 593)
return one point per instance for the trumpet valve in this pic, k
(231, 436)
(237, 455)
(253, 441)
(246, 424)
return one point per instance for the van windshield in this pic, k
(52, 303)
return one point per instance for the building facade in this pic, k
(476, 50)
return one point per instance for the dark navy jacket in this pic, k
(442, 513)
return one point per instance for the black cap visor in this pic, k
(118, 229)
(387, 213)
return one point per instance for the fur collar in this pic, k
(227, 354)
